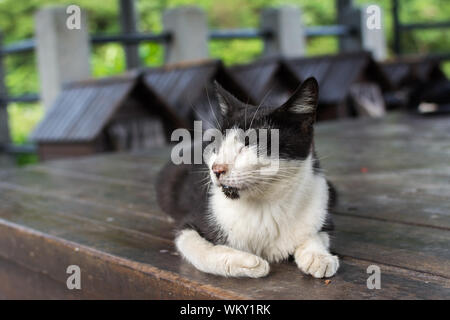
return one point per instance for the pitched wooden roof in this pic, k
(336, 73)
(403, 72)
(84, 108)
(187, 87)
(256, 77)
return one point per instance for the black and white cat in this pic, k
(243, 219)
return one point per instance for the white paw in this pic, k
(243, 264)
(317, 264)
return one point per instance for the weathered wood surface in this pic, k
(100, 213)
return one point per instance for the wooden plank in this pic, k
(393, 126)
(21, 283)
(101, 213)
(407, 183)
(139, 169)
(7, 162)
(103, 274)
(112, 169)
(342, 150)
(393, 143)
(410, 247)
(349, 234)
(127, 268)
(21, 204)
(395, 169)
(118, 258)
(379, 195)
(347, 156)
(125, 195)
(350, 283)
(395, 197)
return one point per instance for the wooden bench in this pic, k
(100, 214)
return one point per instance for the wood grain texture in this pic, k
(100, 213)
(119, 265)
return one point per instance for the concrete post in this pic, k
(372, 35)
(189, 31)
(62, 47)
(288, 32)
(367, 34)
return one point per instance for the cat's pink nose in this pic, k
(219, 169)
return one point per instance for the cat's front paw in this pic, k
(243, 264)
(318, 265)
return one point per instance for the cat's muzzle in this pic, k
(230, 192)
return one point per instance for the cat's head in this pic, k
(262, 145)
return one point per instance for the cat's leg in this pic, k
(325, 239)
(313, 257)
(219, 259)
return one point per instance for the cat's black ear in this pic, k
(227, 102)
(304, 100)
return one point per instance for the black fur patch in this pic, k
(230, 192)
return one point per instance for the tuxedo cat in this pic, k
(235, 215)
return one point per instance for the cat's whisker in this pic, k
(199, 115)
(262, 101)
(245, 113)
(214, 114)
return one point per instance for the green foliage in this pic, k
(26, 159)
(16, 23)
(236, 51)
(107, 60)
(446, 67)
(22, 119)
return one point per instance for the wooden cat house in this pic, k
(351, 84)
(189, 89)
(267, 80)
(410, 77)
(104, 115)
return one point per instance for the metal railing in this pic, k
(131, 38)
(399, 28)
(127, 39)
(29, 45)
(231, 34)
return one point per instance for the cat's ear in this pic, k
(304, 100)
(227, 102)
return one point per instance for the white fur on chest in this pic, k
(272, 226)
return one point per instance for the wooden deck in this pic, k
(100, 213)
